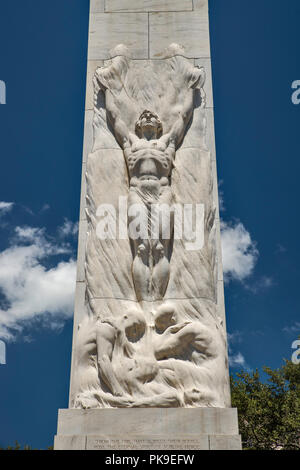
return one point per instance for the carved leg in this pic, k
(161, 271)
(161, 248)
(141, 271)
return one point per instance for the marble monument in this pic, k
(149, 359)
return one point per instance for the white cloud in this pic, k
(280, 248)
(292, 329)
(31, 234)
(68, 228)
(235, 337)
(221, 196)
(238, 360)
(239, 253)
(45, 208)
(5, 207)
(265, 282)
(261, 284)
(28, 287)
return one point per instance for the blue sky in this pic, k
(43, 47)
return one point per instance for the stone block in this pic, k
(201, 5)
(219, 252)
(216, 191)
(80, 312)
(206, 63)
(225, 443)
(221, 301)
(82, 213)
(135, 442)
(96, 6)
(146, 429)
(110, 29)
(88, 138)
(80, 309)
(189, 29)
(210, 132)
(81, 250)
(70, 442)
(169, 422)
(91, 69)
(148, 5)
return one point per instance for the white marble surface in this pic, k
(201, 5)
(130, 87)
(80, 307)
(146, 421)
(103, 134)
(200, 134)
(222, 442)
(70, 442)
(221, 303)
(91, 69)
(82, 213)
(88, 138)
(96, 6)
(148, 5)
(135, 442)
(216, 189)
(109, 29)
(189, 29)
(108, 261)
(80, 312)
(110, 289)
(81, 250)
(156, 428)
(206, 64)
(210, 132)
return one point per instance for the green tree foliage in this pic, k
(17, 446)
(269, 411)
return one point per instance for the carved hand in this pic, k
(175, 328)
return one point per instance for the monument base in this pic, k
(148, 429)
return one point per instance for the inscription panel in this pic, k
(99, 443)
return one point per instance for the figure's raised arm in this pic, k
(114, 117)
(195, 78)
(110, 80)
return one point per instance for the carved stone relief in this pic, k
(151, 336)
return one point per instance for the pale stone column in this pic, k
(147, 28)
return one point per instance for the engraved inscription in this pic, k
(148, 444)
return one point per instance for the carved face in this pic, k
(165, 317)
(148, 125)
(134, 325)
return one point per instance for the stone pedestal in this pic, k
(148, 429)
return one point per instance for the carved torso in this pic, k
(148, 159)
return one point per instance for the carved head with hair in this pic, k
(148, 126)
(165, 316)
